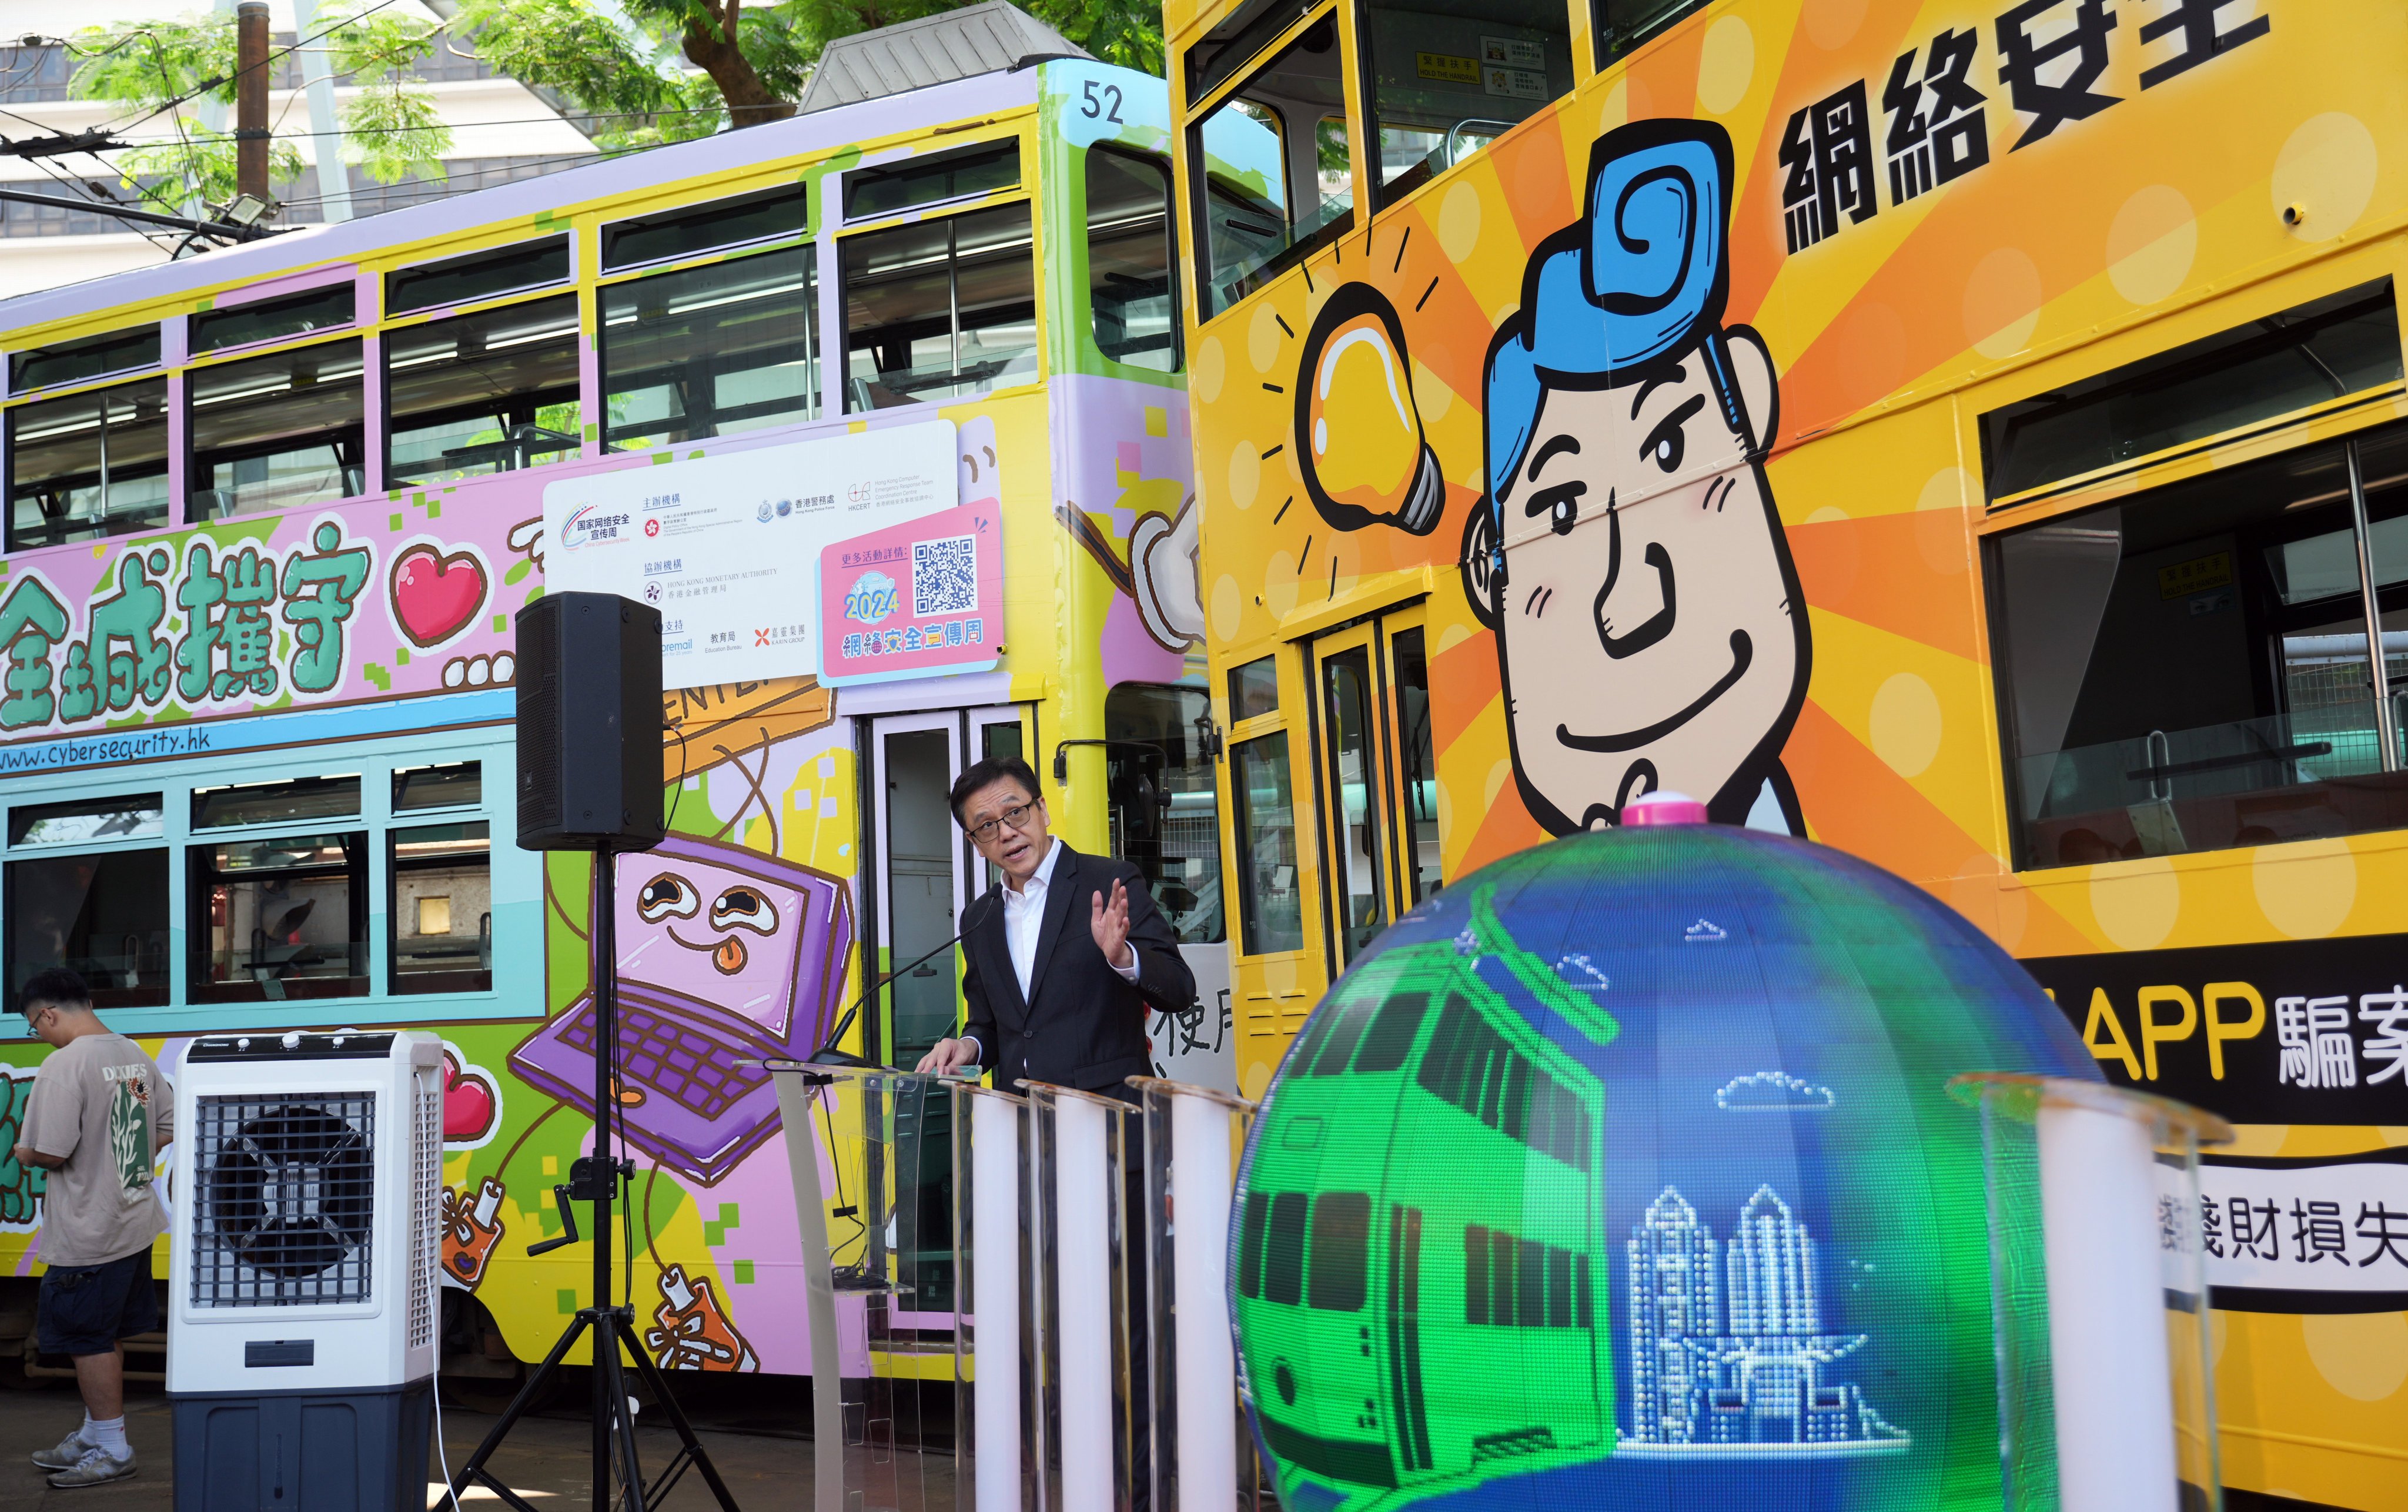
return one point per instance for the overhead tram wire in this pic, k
(218, 80)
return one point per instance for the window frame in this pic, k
(1382, 197)
(1201, 108)
(586, 319)
(188, 455)
(171, 396)
(805, 230)
(2330, 422)
(1154, 162)
(516, 876)
(835, 369)
(592, 318)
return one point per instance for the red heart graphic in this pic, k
(468, 1103)
(435, 596)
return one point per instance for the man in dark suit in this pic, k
(1065, 960)
(1062, 964)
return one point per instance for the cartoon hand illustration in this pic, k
(693, 1332)
(527, 539)
(470, 1231)
(1168, 590)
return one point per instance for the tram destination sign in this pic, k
(727, 545)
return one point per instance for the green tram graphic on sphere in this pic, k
(1453, 1321)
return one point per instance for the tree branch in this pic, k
(715, 51)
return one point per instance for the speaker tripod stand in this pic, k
(597, 1178)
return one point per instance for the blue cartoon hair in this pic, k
(1640, 275)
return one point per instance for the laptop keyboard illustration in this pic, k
(726, 956)
(661, 1057)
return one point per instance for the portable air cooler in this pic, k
(304, 1281)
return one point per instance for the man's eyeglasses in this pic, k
(1012, 818)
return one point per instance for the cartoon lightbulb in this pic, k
(1365, 459)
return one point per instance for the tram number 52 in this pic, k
(1096, 105)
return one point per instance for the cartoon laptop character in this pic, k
(725, 957)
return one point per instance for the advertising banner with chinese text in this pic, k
(727, 546)
(915, 598)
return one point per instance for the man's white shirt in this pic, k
(1024, 919)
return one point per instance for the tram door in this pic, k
(1374, 775)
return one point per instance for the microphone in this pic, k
(827, 1054)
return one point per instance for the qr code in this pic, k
(944, 577)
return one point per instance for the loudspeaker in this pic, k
(589, 726)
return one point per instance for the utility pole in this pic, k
(251, 99)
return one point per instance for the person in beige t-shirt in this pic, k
(100, 1113)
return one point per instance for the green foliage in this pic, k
(392, 129)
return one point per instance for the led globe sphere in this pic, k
(1623, 1173)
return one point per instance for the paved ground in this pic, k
(753, 1429)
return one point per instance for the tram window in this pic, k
(1250, 1257)
(1284, 1256)
(1129, 259)
(464, 280)
(1470, 1066)
(1391, 1036)
(1162, 805)
(279, 920)
(1345, 1032)
(2310, 354)
(1521, 1283)
(983, 169)
(88, 466)
(701, 228)
(1271, 903)
(448, 785)
(1623, 26)
(1342, 1250)
(276, 803)
(84, 821)
(1253, 689)
(489, 393)
(320, 309)
(442, 908)
(274, 432)
(940, 308)
(1271, 161)
(1417, 759)
(712, 351)
(86, 357)
(102, 915)
(1448, 76)
(2187, 669)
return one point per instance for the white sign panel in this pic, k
(2299, 1225)
(726, 546)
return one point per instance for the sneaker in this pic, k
(96, 1468)
(69, 1453)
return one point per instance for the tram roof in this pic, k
(910, 55)
(1009, 83)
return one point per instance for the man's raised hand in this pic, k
(1109, 922)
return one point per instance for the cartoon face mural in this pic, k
(1649, 626)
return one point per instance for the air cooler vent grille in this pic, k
(287, 1196)
(426, 1175)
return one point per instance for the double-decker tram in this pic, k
(1967, 435)
(881, 405)
(1420, 1230)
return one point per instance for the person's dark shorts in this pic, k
(85, 1309)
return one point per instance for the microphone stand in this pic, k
(827, 1054)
